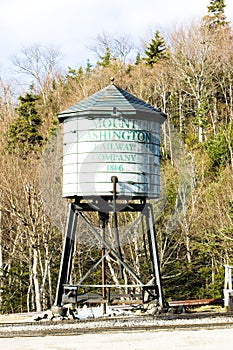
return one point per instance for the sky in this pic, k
(73, 25)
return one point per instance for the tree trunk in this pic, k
(36, 280)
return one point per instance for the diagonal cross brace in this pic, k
(92, 268)
(109, 247)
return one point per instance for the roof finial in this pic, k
(112, 80)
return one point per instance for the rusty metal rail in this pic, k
(195, 302)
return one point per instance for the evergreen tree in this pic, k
(216, 7)
(105, 60)
(138, 59)
(156, 50)
(88, 66)
(216, 13)
(218, 151)
(23, 133)
(74, 74)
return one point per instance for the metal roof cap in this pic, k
(112, 101)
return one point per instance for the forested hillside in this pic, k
(188, 75)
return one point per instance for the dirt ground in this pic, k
(213, 339)
(11, 318)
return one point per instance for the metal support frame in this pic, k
(103, 219)
(114, 180)
(76, 210)
(67, 254)
(154, 252)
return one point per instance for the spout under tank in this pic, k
(111, 133)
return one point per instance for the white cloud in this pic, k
(71, 25)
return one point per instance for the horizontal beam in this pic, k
(104, 285)
(108, 207)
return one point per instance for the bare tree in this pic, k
(28, 237)
(119, 46)
(39, 63)
(192, 56)
(6, 102)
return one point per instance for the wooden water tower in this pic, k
(111, 164)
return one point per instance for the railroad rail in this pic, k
(146, 323)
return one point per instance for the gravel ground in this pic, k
(118, 333)
(117, 323)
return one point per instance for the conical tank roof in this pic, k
(112, 101)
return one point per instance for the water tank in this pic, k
(111, 133)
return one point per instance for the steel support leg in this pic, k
(67, 255)
(114, 180)
(103, 219)
(154, 252)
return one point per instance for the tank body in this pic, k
(97, 147)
